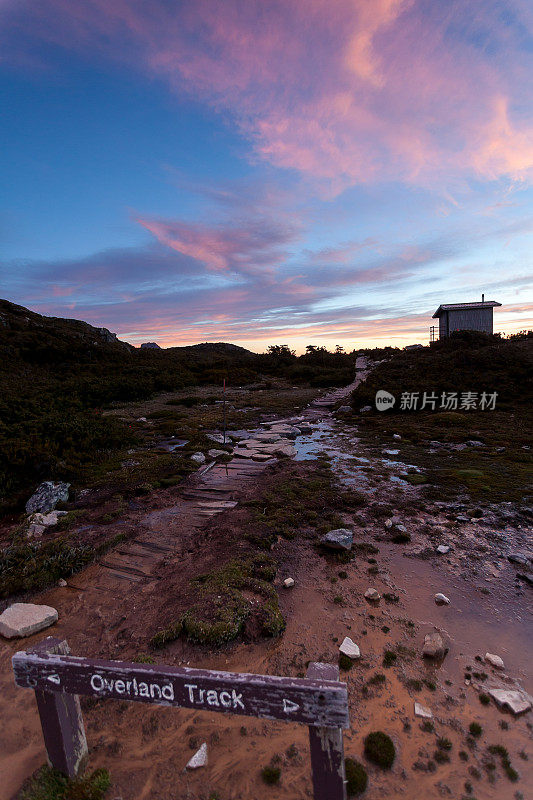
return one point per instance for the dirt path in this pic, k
(146, 748)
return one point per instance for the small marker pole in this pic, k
(224, 406)
(61, 720)
(327, 748)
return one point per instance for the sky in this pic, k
(266, 172)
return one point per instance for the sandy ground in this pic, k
(146, 748)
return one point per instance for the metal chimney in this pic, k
(482, 298)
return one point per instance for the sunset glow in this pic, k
(296, 171)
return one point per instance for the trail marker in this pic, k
(319, 701)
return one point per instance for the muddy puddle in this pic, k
(489, 615)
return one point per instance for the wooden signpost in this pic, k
(319, 701)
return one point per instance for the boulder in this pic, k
(344, 409)
(511, 699)
(199, 458)
(350, 649)
(494, 661)
(441, 599)
(339, 539)
(396, 436)
(47, 496)
(372, 594)
(199, 759)
(288, 583)
(443, 549)
(365, 409)
(25, 619)
(390, 452)
(434, 646)
(422, 711)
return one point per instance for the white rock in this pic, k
(199, 759)
(216, 453)
(422, 711)
(34, 531)
(388, 523)
(25, 619)
(288, 583)
(350, 649)
(198, 457)
(372, 594)
(515, 701)
(62, 582)
(217, 437)
(494, 661)
(141, 419)
(443, 549)
(390, 452)
(396, 436)
(441, 599)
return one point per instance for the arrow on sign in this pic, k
(289, 706)
(54, 678)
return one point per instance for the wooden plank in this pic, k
(61, 720)
(327, 748)
(311, 702)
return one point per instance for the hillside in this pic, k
(58, 375)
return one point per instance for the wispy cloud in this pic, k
(349, 92)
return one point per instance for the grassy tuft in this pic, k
(49, 784)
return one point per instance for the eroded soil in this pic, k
(105, 613)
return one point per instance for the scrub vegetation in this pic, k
(498, 466)
(58, 377)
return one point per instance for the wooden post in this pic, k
(327, 748)
(61, 720)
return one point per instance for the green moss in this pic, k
(379, 748)
(222, 609)
(356, 777)
(49, 784)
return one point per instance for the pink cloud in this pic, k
(349, 92)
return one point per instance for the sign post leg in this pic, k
(327, 748)
(61, 721)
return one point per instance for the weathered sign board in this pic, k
(319, 701)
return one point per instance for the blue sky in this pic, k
(300, 172)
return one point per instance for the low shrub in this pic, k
(271, 775)
(356, 777)
(379, 748)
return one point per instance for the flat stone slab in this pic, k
(25, 619)
(422, 711)
(350, 649)
(513, 700)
